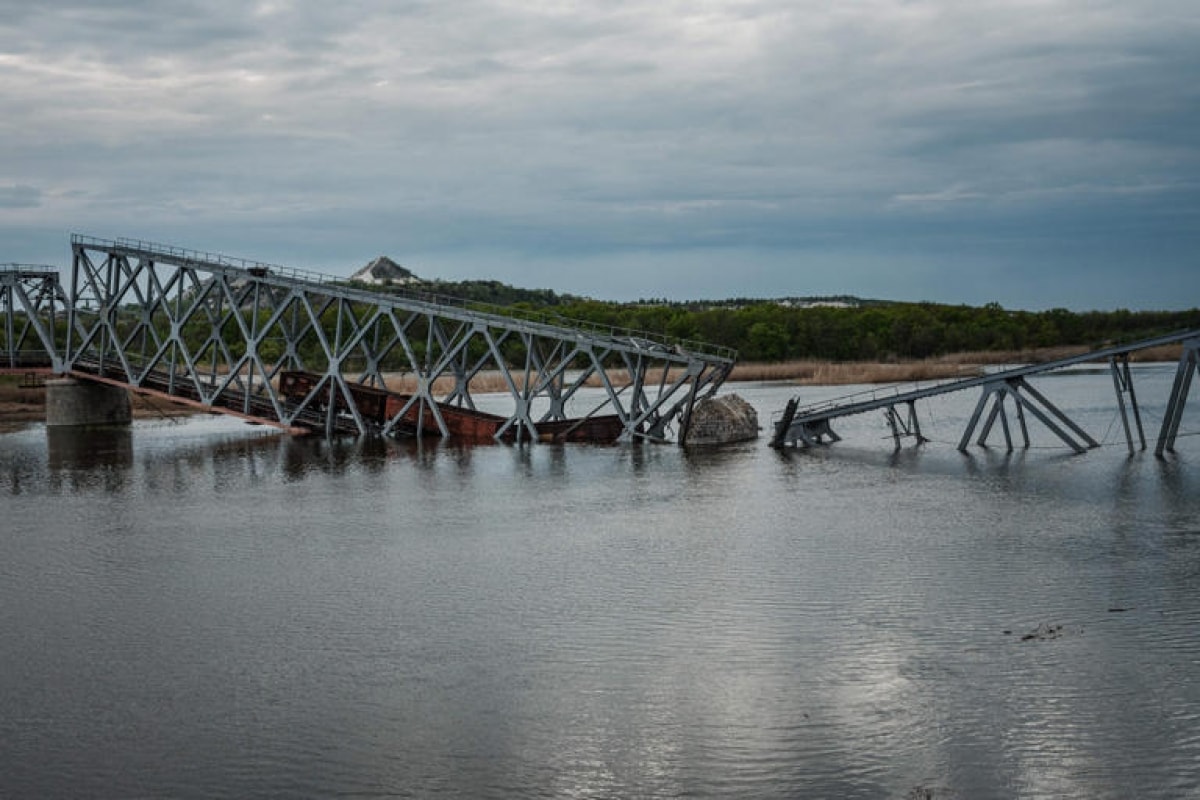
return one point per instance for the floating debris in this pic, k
(1043, 632)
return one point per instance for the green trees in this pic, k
(769, 331)
(839, 329)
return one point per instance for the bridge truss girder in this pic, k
(220, 332)
(1025, 398)
(32, 306)
(1189, 365)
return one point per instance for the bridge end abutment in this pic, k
(71, 402)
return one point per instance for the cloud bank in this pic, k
(1038, 153)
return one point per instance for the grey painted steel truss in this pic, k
(811, 425)
(1025, 398)
(33, 313)
(223, 333)
(1189, 364)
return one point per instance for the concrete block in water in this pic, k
(720, 420)
(72, 402)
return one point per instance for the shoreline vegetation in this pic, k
(21, 404)
(816, 372)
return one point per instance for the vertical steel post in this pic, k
(997, 407)
(685, 423)
(1004, 425)
(889, 414)
(1119, 386)
(1137, 414)
(915, 422)
(988, 389)
(8, 324)
(1189, 362)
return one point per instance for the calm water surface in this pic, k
(204, 610)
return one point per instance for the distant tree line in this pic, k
(768, 331)
(859, 330)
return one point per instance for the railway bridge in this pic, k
(304, 351)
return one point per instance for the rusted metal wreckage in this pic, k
(378, 406)
(305, 351)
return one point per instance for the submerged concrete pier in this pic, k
(72, 402)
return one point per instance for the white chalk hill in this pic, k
(385, 272)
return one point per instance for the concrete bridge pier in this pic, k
(73, 402)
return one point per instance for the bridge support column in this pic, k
(1025, 398)
(1123, 383)
(904, 425)
(71, 402)
(1189, 364)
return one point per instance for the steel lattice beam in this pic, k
(225, 332)
(32, 306)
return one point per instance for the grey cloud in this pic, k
(19, 197)
(859, 130)
(468, 70)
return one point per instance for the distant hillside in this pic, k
(841, 327)
(812, 301)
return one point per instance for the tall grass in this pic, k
(12, 393)
(831, 373)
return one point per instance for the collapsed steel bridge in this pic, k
(808, 426)
(305, 351)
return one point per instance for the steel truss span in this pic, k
(809, 426)
(306, 351)
(33, 314)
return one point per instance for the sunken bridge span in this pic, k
(1002, 393)
(305, 351)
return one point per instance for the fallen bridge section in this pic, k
(223, 333)
(1001, 393)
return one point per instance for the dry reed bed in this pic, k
(809, 372)
(950, 366)
(829, 373)
(28, 404)
(486, 382)
(1166, 352)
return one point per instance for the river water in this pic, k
(207, 609)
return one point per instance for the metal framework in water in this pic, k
(812, 425)
(302, 350)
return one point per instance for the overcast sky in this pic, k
(1036, 153)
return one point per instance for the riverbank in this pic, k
(811, 372)
(22, 404)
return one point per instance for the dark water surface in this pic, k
(202, 610)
